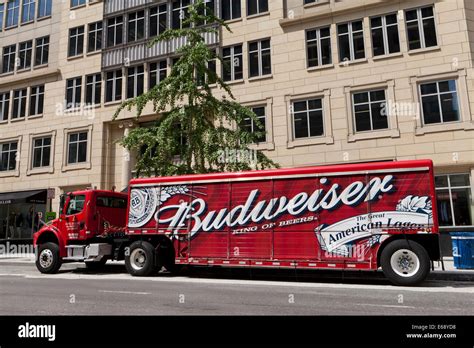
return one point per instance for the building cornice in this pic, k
(16, 79)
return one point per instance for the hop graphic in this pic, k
(169, 191)
(415, 204)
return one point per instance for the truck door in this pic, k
(73, 224)
(110, 213)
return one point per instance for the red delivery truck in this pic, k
(343, 217)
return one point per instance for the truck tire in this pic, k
(48, 260)
(140, 261)
(96, 265)
(405, 262)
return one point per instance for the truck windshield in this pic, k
(76, 204)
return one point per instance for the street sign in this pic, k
(51, 193)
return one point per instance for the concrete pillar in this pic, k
(126, 174)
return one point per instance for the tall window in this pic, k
(8, 153)
(9, 53)
(114, 31)
(180, 13)
(232, 68)
(37, 100)
(94, 37)
(42, 50)
(77, 148)
(41, 152)
(455, 204)
(135, 81)
(4, 106)
(158, 15)
(351, 41)
(73, 93)
(13, 11)
(308, 118)
(439, 102)
(421, 28)
(158, 73)
(44, 8)
(76, 41)
(136, 26)
(93, 89)
(113, 90)
(19, 103)
(260, 58)
(28, 11)
(230, 9)
(318, 45)
(368, 111)
(207, 9)
(256, 6)
(385, 38)
(2, 14)
(24, 52)
(75, 3)
(250, 126)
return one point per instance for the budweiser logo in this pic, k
(328, 197)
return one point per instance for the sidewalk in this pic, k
(450, 273)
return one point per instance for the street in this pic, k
(111, 291)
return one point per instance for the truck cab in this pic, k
(88, 222)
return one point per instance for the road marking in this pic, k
(126, 292)
(385, 306)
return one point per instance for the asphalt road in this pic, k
(76, 291)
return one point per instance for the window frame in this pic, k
(115, 27)
(114, 81)
(16, 8)
(41, 148)
(96, 89)
(75, 40)
(5, 103)
(45, 10)
(42, 48)
(9, 142)
(39, 96)
(369, 103)
(96, 34)
(31, 10)
(260, 58)
(384, 26)
(135, 76)
(22, 103)
(135, 22)
(232, 57)
(10, 60)
(25, 55)
(319, 47)
(158, 15)
(78, 143)
(76, 90)
(421, 29)
(350, 34)
(438, 95)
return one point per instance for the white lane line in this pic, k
(385, 306)
(125, 292)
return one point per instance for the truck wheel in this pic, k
(405, 262)
(48, 260)
(141, 259)
(95, 265)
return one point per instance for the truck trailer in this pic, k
(363, 216)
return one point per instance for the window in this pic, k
(251, 127)
(4, 106)
(318, 46)
(93, 89)
(75, 3)
(19, 103)
(455, 204)
(260, 58)
(76, 204)
(232, 67)
(9, 53)
(231, 9)
(158, 73)
(210, 77)
(308, 118)
(115, 31)
(28, 11)
(42, 50)
(158, 15)
(385, 38)
(439, 102)
(94, 37)
(73, 93)
(77, 148)
(256, 6)
(36, 100)
(136, 26)
(113, 86)
(76, 41)
(13, 11)
(111, 202)
(369, 111)
(44, 8)
(41, 152)
(24, 53)
(351, 41)
(180, 13)
(2, 13)
(135, 81)
(421, 29)
(206, 10)
(8, 153)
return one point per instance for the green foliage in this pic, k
(193, 128)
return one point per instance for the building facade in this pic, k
(335, 81)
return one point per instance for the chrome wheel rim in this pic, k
(405, 263)
(138, 259)
(46, 258)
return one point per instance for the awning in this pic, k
(37, 196)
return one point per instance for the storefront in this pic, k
(21, 213)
